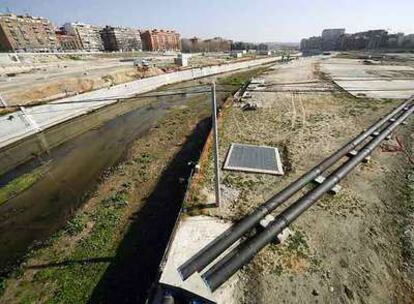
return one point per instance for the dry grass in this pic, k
(307, 128)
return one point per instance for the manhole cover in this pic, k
(257, 159)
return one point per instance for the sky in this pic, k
(253, 20)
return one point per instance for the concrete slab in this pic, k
(371, 80)
(192, 234)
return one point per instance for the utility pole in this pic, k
(216, 146)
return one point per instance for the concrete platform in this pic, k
(371, 80)
(192, 234)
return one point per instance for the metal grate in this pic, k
(257, 159)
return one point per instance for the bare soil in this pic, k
(353, 247)
(60, 88)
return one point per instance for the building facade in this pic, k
(217, 44)
(408, 41)
(67, 42)
(365, 40)
(311, 46)
(89, 35)
(338, 40)
(160, 40)
(331, 39)
(26, 33)
(195, 44)
(121, 39)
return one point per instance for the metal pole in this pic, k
(247, 250)
(3, 102)
(216, 143)
(211, 251)
(39, 131)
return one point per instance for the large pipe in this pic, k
(249, 248)
(206, 255)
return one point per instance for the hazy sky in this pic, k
(252, 20)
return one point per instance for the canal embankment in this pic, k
(109, 243)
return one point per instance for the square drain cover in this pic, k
(257, 159)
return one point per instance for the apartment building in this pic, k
(160, 40)
(89, 35)
(67, 42)
(121, 39)
(26, 33)
(331, 39)
(195, 44)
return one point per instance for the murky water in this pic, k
(73, 169)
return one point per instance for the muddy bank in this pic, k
(72, 169)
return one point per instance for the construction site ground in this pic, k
(352, 247)
(61, 76)
(38, 78)
(110, 248)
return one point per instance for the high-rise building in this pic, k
(121, 39)
(373, 39)
(88, 35)
(331, 39)
(311, 46)
(408, 41)
(26, 33)
(160, 40)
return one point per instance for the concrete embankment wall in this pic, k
(37, 144)
(152, 83)
(57, 123)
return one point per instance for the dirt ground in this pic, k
(353, 247)
(56, 89)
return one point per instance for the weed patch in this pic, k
(2, 285)
(20, 184)
(118, 199)
(297, 244)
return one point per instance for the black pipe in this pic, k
(210, 252)
(249, 248)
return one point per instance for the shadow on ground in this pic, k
(135, 266)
